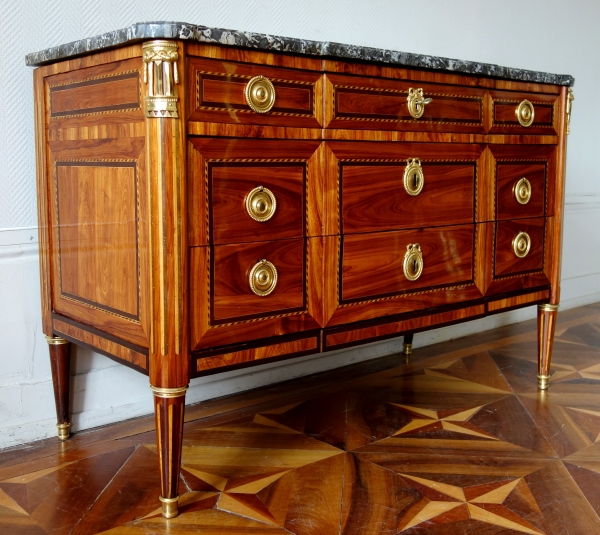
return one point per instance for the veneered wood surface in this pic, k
(506, 261)
(60, 365)
(504, 119)
(506, 180)
(231, 295)
(223, 171)
(518, 300)
(372, 264)
(367, 103)
(217, 94)
(374, 197)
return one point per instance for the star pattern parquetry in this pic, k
(442, 503)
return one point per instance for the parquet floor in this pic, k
(457, 441)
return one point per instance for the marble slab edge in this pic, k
(179, 30)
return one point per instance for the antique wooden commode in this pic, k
(211, 199)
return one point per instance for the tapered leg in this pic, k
(408, 339)
(169, 408)
(546, 324)
(60, 363)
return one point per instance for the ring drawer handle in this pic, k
(263, 278)
(525, 113)
(416, 102)
(413, 262)
(522, 191)
(261, 204)
(521, 244)
(260, 94)
(414, 179)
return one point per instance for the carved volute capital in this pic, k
(161, 76)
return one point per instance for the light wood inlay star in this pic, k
(483, 503)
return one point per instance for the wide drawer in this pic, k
(523, 113)
(382, 264)
(229, 92)
(382, 104)
(521, 190)
(519, 246)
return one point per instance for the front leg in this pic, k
(60, 363)
(546, 325)
(169, 408)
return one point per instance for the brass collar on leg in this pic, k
(169, 506)
(543, 382)
(64, 431)
(407, 349)
(168, 392)
(548, 308)
(56, 340)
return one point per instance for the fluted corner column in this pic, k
(546, 325)
(60, 364)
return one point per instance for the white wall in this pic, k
(549, 35)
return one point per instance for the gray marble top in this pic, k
(180, 30)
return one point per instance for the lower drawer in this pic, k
(519, 246)
(388, 263)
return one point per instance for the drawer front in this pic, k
(521, 190)
(374, 195)
(380, 104)
(373, 265)
(223, 94)
(509, 257)
(232, 267)
(507, 107)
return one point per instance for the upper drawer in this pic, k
(227, 92)
(523, 113)
(521, 190)
(381, 104)
(247, 190)
(387, 186)
(377, 265)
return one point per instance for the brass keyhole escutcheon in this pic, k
(522, 191)
(416, 102)
(413, 262)
(261, 204)
(260, 94)
(263, 278)
(521, 244)
(525, 113)
(414, 179)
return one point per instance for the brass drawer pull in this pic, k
(263, 278)
(521, 244)
(414, 179)
(261, 204)
(260, 94)
(416, 102)
(522, 191)
(413, 262)
(525, 113)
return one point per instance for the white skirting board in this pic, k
(104, 392)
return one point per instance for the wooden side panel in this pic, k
(374, 103)
(218, 87)
(504, 118)
(224, 171)
(372, 264)
(506, 261)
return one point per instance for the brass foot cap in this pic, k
(64, 431)
(407, 349)
(543, 382)
(169, 506)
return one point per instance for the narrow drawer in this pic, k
(406, 194)
(229, 92)
(521, 190)
(381, 104)
(519, 246)
(383, 264)
(523, 113)
(257, 280)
